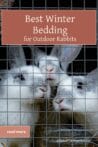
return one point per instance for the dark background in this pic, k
(87, 59)
(56, 3)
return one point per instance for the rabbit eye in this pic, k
(20, 76)
(60, 66)
(38, 64)
(80, 85)
(0, 78)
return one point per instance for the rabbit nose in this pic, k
(43, 89)
(58, 101)
(50, 69)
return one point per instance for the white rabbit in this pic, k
(79, 94)
(20, 88)
(54, 65)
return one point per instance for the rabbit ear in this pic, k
(36, 54)
(68, 54)
(93, 77)
(16, 56)
(56, 51)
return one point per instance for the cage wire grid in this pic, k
(56, 4)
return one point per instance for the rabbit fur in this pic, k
(53, 66)
(20, 87)
(79, 94)
(74, 93)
